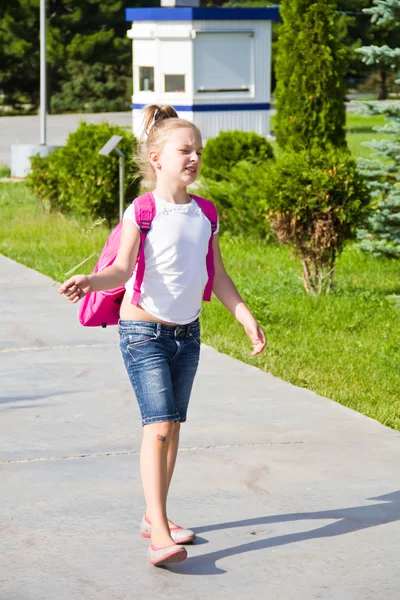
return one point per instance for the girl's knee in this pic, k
(162, 431)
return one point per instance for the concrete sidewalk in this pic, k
(292, 496)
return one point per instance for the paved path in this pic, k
(292, 496)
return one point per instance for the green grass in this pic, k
(359, 129)
(49, 243)
(345, 346)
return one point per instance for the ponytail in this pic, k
(158, 122)
(153, 115)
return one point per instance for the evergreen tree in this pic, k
(19, 52)
(382, 233)
(356, 30)
(310, 92)
(79, 34)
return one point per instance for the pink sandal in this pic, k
(178, 534)
(163, 556)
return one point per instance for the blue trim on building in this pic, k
(214, 107)
(202, 14)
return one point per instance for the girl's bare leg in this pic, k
(171, 458)
(172, 452)
(157, 438)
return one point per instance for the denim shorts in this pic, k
(161, 361)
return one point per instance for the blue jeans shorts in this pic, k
(161, 361)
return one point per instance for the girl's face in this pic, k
(180, 159)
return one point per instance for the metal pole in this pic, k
(43, 94)
(121, 185)
(121, 181)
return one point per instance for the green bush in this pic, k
(315, 201)
(228, 148)
(5, 171)
(240, 200)
(76, 179)
(310, 90)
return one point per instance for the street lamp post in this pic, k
(21, 153)
(43, 87)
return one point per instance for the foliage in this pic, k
(381, 235)
(88, 32)
(76, 179)
(19, 52)
(331, 200)
(234, 163)
(238, 200)
(309, 66)
(5, 171)
(93, 88)
(230, 147)
(356, 30)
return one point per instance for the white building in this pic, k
(212, 64)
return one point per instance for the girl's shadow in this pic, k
(347, 520)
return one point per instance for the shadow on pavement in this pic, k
(348, 520)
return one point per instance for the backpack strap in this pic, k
(210, 212)
(145, 211)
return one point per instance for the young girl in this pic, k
(160, 337)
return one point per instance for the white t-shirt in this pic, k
(175, 253)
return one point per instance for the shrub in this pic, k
(239, 200)
(5, 171)
(310, 91)
(315, 201)
(228, 148)
(76, 179)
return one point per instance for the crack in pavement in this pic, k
(133, 452)
(69, 347)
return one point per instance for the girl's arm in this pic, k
(226, 292)
(113, 276)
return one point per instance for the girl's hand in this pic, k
(257, 337)
(75, 288)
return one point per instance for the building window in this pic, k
(146, 79)
(174, 83)
(223, 62)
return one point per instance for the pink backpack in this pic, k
(102, 308)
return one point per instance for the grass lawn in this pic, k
(345, 346)
(51, 244)
(359, 129)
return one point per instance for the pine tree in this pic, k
(79, 34)
(356, 30)
(310, 92)
(382, 233)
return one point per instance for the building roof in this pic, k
(202, 14)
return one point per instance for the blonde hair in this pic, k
(158, 122)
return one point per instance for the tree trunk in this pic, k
(383, 91)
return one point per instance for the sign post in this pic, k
(105, 151)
